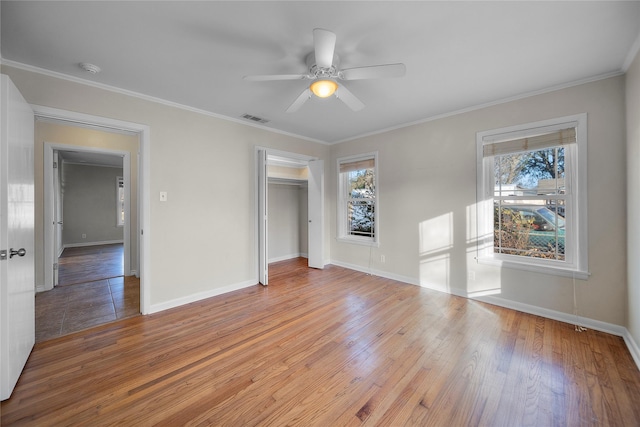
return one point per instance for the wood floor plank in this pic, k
(329, 347)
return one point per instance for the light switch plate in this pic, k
(163, 196)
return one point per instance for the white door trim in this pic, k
(144, 181)
(263, 218)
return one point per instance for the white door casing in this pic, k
(17, 220)
(144, 186)
(316, 214)
(57, 215)
(263, 220)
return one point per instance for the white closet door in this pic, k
(316, 214)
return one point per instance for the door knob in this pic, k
(19, 252)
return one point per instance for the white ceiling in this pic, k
(459, 55)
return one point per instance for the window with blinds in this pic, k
(119, 201)
(531, 206)
(357, 207)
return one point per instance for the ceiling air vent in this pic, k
(254, 118)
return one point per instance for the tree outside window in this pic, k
(532, 210)
(535, 226)
(357, 199)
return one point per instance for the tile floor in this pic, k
(72, 308)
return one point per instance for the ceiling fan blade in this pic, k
(324, 42)
(273, 77)
(374, 72)
(304, 96)
(348, 98)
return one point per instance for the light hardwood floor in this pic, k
(330, 347)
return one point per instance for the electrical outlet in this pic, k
(382, 259)
(84, 236)
(472, 275)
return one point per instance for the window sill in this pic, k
(544, 269)
(359, 241)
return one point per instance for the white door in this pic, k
(316, 214)
(57, 215)
(17, 269)
(263, 225)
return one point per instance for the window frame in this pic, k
(576, 238)
(342, 202)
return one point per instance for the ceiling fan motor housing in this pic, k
(322, 73)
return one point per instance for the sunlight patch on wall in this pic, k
(435, 244)
(436, 235)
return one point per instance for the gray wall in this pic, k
(89, 204)
(427, 187)
(287, 221)
(192, 157)
(633, 200)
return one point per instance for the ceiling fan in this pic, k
(323, 64)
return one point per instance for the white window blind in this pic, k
(537, 142)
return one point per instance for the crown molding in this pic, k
(632, 53)
(102, 86)
(488, 104)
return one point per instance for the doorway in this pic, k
(81, 203)
(88, 217)
(137, 227)
(290, 220)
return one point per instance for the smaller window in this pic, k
(358, 202)
(120, 201)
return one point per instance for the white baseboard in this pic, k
(572, 319)
(284, 258)
(79, 245)
(201, 295)
(374, 272)
(633, 347)
(586, 322)
(287, 257)
(597, 325)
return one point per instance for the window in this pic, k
(120, 201)
(532, 196)
(357, 201)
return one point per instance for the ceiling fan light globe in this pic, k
(323, 88)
